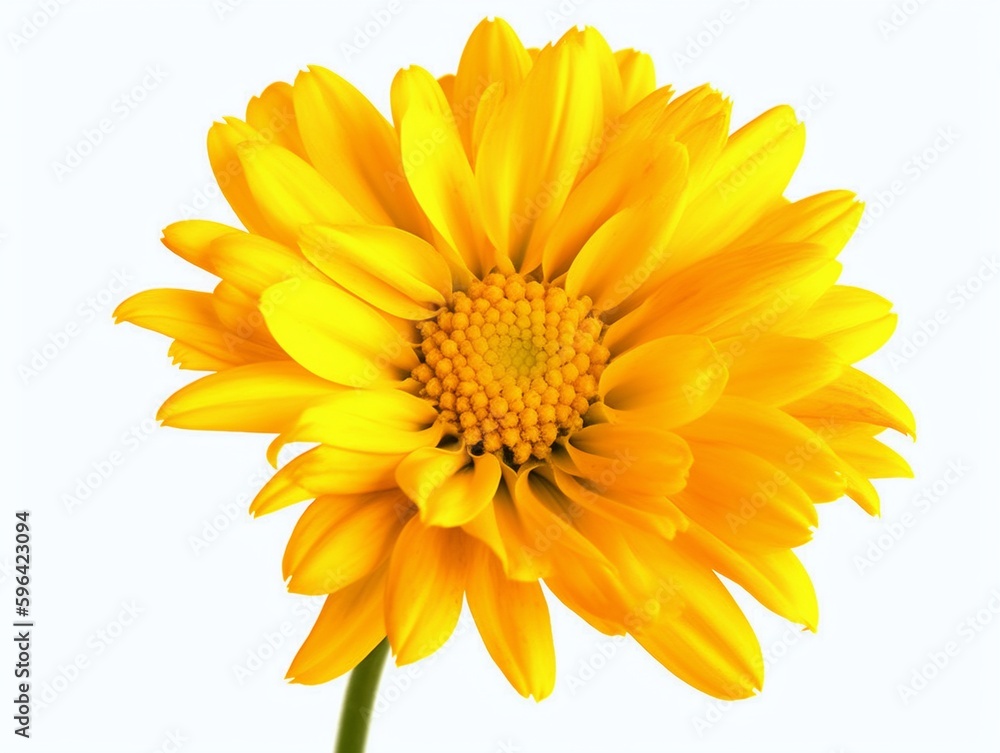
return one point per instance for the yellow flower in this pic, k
(553, 325)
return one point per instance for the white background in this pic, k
(875, 89)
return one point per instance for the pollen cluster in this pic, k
(512, 364)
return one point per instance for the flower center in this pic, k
(512, 364)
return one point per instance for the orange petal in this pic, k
(339, 540)
(513, 620)
(349, 626)
(423, 598)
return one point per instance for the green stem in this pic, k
(356, 714)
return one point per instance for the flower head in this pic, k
(552, 325)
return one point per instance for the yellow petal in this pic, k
(272, 114)
(656, 514)
(223, 140)
(437, 168)
(653, 172)
(190, 316)
(593, 592)
(853, 322)
(869, 455)
(864, 457)
(669, 381)
(856, 396)
(335, 470)
(261, 397)
(423, 596)
(639, 123)
(349, 626)
(592, 589)
(697, 119)
(339, 540)
(334, 334)
(493, 55)
(289, 191)
(485, 528)
(862, 491)
(633, 459)
(192, 240)
(237, 311)
(775, 577)
(633, 241)
(776, 369)
(551, 133)
(380, 421)
(447, 84)
(170, 311)
(489, 106)
(688, 621)
(279, 492)
(355, 149)
(597, 50)
(513, 620)
(547, 520)
(501, 523)
(826, 219)
(638, 75)
(387, 267)
(745, 291)
(327, 470)
(448, 486)
(774, 436)
(746, 500)
(748, 178)
(253, 263)
(187, 356)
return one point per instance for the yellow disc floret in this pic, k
(512, 364)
